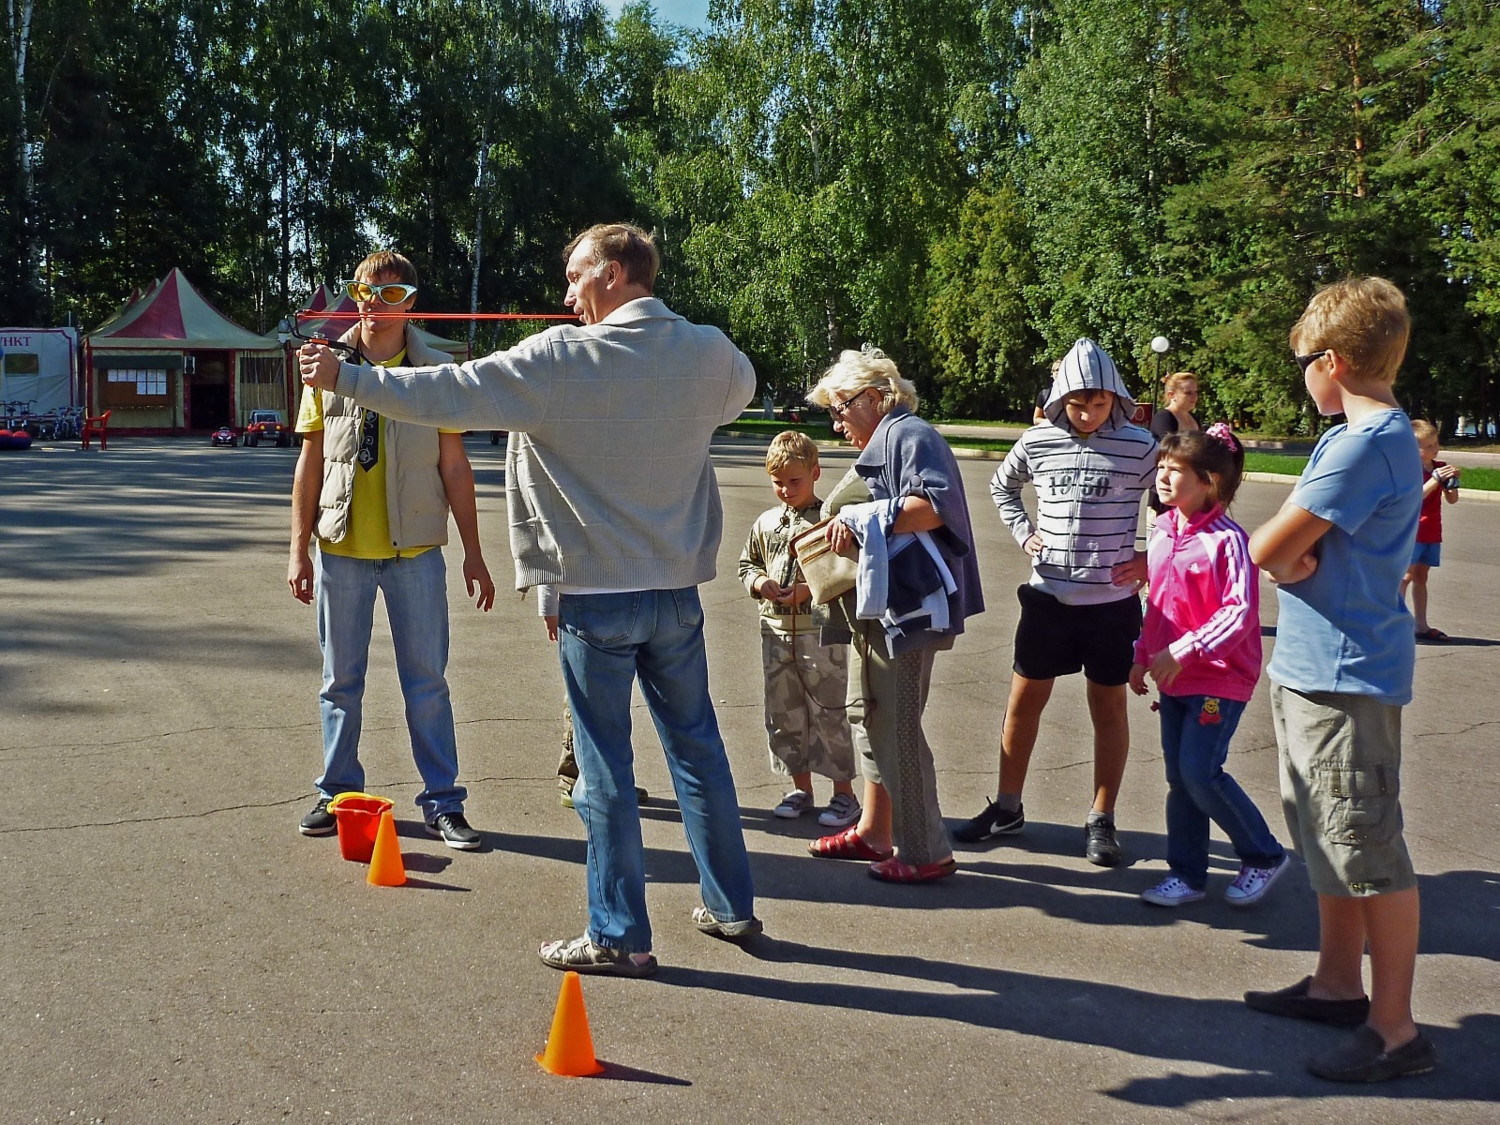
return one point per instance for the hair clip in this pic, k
(1221, 432)
(872, 351)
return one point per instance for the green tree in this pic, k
(976, 322)
(1446, 161)
(829, 159)
(1107, 137)
(1297, 110)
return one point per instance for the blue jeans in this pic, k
(1198, 789)
(416, 602)
(606, 641)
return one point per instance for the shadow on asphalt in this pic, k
(1460, 909)
(617, 1073)
(121, 530)
(1262, 1054)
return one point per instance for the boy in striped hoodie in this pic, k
(1090, 466)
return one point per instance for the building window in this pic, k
(21, 363)
(137, 386)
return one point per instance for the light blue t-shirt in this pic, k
(1345, 629)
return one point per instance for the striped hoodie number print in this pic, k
(1088, 486)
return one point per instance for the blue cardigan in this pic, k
(907, 457)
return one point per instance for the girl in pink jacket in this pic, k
(1201, 644)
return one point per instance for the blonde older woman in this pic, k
(1175, 417)
(911, 476)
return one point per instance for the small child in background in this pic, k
(1201, 644)
(1439, 483)
(805, 717)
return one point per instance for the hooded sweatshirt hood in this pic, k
(1087, 367)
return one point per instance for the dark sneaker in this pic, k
(1102, 848)
(709, 923)
(994, 821)
(452, 829)
(1363, 1058)
(1294, 1003)
(581, 955)
(319, 821)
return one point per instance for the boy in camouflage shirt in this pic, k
(805, 720)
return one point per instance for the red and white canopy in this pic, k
(173, 316)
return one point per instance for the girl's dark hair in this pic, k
(1209, 454)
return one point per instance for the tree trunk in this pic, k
(484, 150)
(20, 37)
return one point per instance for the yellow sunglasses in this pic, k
(387, 292)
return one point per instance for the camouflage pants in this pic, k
(805, 720)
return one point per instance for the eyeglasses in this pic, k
(387, 292)
(1306, 361)
(839, 409)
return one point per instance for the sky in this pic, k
(687, 13)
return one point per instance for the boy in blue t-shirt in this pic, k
(1341, 672)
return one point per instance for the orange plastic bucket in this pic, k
(358, 816)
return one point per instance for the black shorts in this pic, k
(1054, 640)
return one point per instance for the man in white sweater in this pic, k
(612, 498)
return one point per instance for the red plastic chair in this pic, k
(100, 426)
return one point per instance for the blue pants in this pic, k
(1198, 790)
(606, 642)
(416, 602)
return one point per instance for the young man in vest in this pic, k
(377, 494)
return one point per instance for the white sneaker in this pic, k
(793, 805)
(841, 812)
(1171, 891)
(1252, 883)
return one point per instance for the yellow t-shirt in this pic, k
(369, 534)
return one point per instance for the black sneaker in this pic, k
(994, 821)
(1103, 846)
(319, 822)
(452, 829)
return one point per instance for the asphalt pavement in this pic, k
(174, 951)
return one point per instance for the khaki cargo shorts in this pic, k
(1341, 790)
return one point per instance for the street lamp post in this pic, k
(1161, 346)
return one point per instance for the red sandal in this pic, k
(847, 845)
(898, 871)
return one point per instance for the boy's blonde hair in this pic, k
(791, 448)
(1423, 430)
(1364, 319)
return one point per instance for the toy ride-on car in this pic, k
(267, 425)
(223, 436)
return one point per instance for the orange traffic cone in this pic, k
(570, 1047)
(386, 868)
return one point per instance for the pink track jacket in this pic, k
(1204, 605)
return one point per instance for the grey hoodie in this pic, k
(1088, 486)
(1088, 367)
